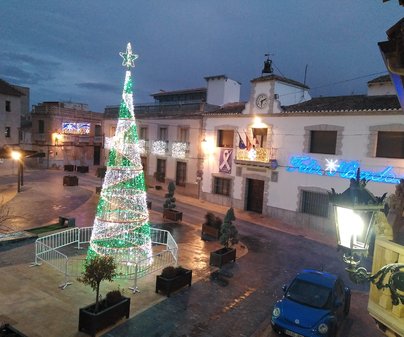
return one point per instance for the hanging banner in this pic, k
(225, 160)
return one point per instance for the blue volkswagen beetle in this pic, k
(313, 305)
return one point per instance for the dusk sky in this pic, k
(69, 50)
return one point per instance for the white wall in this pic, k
(381, 88)
(288, 138)
(11, 119)
(222, 90)
(290, 94)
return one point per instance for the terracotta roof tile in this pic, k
(8, 89)
(346, 103)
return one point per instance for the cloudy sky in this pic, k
(69, 50)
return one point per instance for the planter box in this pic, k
(222, 256)
(82, 169)
(70, 181)
(90, 322)
(69, 167)
(168, 285)
(172, 214)
(8, 330)
(101, 172)
(211, 231)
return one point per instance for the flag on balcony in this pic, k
(241, 143)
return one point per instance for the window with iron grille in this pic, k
(221, 186)
(323, 142)
(315, 203)
(8, 106)
(7, 132)
(390, 144)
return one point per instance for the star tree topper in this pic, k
(128, 57)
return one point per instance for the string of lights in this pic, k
(121, 225)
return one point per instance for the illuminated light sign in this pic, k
(343, 169)
(76, 128)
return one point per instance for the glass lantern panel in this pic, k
(352, 228)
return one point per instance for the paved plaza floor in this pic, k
(32, 302)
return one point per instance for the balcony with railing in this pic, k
(260, 156)
(39, 138)
(390, 317)
(160, 147)
(143, 146)
(180, 150)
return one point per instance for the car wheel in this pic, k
(347, 303)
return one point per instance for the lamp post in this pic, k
(16, 155)
(355, 213)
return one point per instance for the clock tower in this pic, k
(269, 92)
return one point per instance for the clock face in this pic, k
(261, 101)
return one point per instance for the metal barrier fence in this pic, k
(47, 251)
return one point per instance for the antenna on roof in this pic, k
(305, 74)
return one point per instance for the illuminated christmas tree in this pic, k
(121, 226)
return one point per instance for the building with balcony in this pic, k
(67, 134)
(280, 159)
(170, 132)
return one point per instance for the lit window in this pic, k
(225, 138)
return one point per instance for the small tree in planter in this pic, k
(169, 205)
(228, 237)
(228, 232)
(96, 270)
(211, 226)
(107, 312)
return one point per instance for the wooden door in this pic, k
(255, 195)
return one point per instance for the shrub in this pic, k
(113, 297)
(213, 220)
(170, 200)
(169, 272)
(228, 232)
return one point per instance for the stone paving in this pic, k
(33, 303)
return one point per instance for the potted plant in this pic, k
(70, 180)
(106, 312)
(172, 279)
(169, 211)
(228, 237)
(212, 225)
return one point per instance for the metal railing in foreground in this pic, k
(47, 250)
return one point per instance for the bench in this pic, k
(66, 221)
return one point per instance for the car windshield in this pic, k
(310, 294)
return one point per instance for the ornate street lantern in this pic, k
(355, 213)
